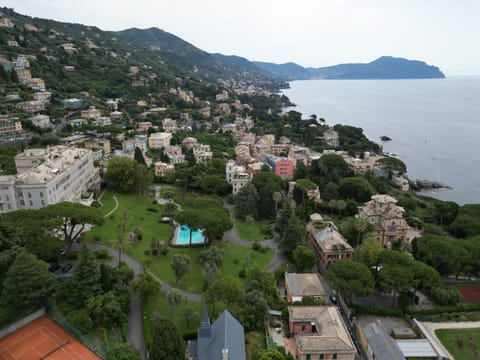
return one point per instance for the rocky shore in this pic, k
(419, 185)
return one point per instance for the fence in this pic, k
(93, 344)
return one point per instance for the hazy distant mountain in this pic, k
(385, 67)
(195, 61)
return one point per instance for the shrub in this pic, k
(72, 255)
(147, 252)
(256, 246)
(242, 273)
(152, 209)
(81, 321)
(101, 254)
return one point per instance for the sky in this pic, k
(311, 33)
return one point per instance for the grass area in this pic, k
(236, 257)
(254, 342)
(462, 344)
(159, 304)
(251, 232)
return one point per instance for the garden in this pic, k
(461, 343)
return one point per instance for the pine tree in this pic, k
(85, 281)
(28, 283)
(167, 342)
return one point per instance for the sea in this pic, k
(434, 124)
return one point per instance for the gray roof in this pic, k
(382, 345)
(225, 333)
(417, 348)
(304, 284)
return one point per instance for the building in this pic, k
(320, 333)
(41, 121)
(144, 126)
(237, 176)
(48, 176)
(5, 22)
(42, 96)
(298, 286)
(387, 218)
(222, 340)
(202, 153)
(328, 245)
(102, 121)
(163, 169)
(378, 345)
(331, 137)
(10, 127)
(31, 106)
(174, 154)
(281, 166)
(139, 141)
(361, 166)
(169, 125)
(100, 147)
(159, 140)
(189, 142)
(91, 113)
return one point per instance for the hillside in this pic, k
(385, 67)
(196, 62)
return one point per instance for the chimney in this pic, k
(225, 354)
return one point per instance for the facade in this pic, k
(202, 153)
(139, 141)
(47, 176)
(169, 125)
(189, 142)
(298, 286)
(328, 245)
(163, 169)
(144, 126)
(282, 167)
(91, 113)
(387, 218)
(31, 106)
(41, 121)
(100, 147)
(159, 140)
(10, 127)
(222, 340)
(320, 333)
(332, 138)
(237, 176)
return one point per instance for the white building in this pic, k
(139, 141)
(237, 176)
(41, 121)
(47, 176)
(91, 113)
(159, 140)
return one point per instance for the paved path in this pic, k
(114, 208)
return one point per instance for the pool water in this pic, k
(183, 237)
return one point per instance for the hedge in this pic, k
(101, 254)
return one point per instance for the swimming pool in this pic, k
(183, 236)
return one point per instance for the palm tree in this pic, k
(174, 298)
(170, 207)
(277, 197)
(361, 225)
(121, 244)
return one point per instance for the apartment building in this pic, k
(159, 140)
(48, 176)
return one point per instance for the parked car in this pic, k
(54, 267)
(66, 268)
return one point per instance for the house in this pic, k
(143, 127)
(298, 286)
(5, 22)
(139, 141)
(222, 340)
(387, 218)
(41, 121)
(100, 147)
(163, 169)
(42, 96)
(159, 140)
(331, 137)
(378, 345)
(281, 166)
(169, 125)
(174, 154)
(320, 333)
(202, 153)
(237, 176)
(328, 245)
(189, 142)
(10, 127)
(102, 121)
(31, 106)
(91, 113)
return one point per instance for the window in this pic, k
(308, 357)
(30, 203)
(322, 357)
(29, 195)
(334, 357)
(41, 194)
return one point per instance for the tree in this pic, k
(446, 212)
(146, 285)
(254, 308)
(265, 203)
(138, 156)
(423, 276)
(303, 258)
(393, 166)
(369, 253)
(270, 354)
(395, 277)
(74, 217)
(143, 179)
(170, 208)
(246, 201)
(226, 289)
(28, 284)
(191, 316)
(123, 351)
(85, 281)
(356, 188)
(277, 197)
(180, 266)
(293, 235)
(350, 278)
(285, 215)
(213, 255)
(121, 244)
(174, 298)
(354, 229)
(191, 218)
(167, 343)
(120, 174)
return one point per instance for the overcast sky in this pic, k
(313, 33)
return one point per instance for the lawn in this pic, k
(463, 344)
(236, 257)
(251, 232)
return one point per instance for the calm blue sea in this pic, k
(434, 124)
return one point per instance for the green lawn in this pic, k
(236, 257)
(463, 344)
(251, 232)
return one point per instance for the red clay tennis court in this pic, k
(471, 293)
(43, 339)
